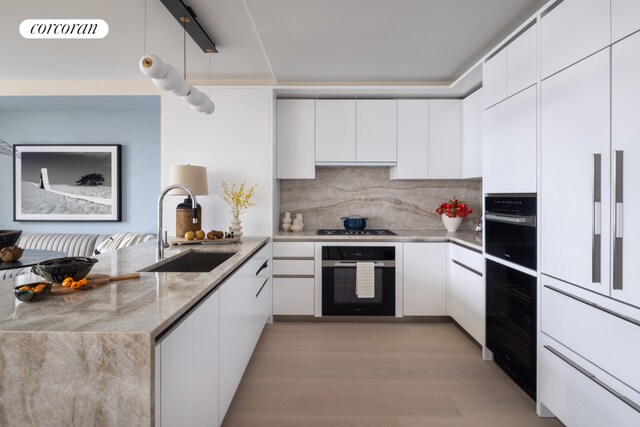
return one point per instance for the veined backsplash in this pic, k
(368, 191)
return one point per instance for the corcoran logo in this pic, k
(64, 29)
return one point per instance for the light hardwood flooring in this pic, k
(375, 374)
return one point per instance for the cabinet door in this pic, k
(376, 130)
(413, 140)
(454, 292)
(295, 138)
(625, 18)
(494, 78)
(335, 130)
(425, 279)
(575, 130)
(509, 145)
(474, 297)
(472, 135)
(572, 31)
(626, 140)
(445, 138)
(233, 359)
(293, 295)
(189, 368)
(521, 61)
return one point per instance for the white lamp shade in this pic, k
(182, 89)
(192, 177)
(208, 107)
(195, 97)
(170, 81)
(152, 66)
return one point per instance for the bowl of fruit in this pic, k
(11, 253)
(58, 269)
(32, 292)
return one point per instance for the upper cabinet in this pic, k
(376, 130)
(625, 18)
(573, 30)
(472, 135)
(336, 130)
(429, 139)
(512, 69)
(295, 139)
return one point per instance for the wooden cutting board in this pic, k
(95, 281)
(182, 241)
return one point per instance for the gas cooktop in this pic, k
(342, 232)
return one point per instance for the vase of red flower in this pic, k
(452, 212)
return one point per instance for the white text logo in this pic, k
(64, 29)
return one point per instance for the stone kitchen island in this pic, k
(89, 358)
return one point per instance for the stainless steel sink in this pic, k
(190, 262)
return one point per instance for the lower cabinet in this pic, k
(466, 291)
(200, 363)
(293, 278)
(424, 279)
(189, 370)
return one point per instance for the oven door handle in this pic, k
(519, 220)
(352, 264)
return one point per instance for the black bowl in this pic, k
(58, 269)
(31, 295)
(9, 237)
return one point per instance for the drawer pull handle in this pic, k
(593, 378)
(467, 268)
(262, 287)
(265, 265)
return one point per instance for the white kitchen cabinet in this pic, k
(445, 138)
(509, 145)
(188, 369)
(295, 139)
(424, 278)
(376, 130)
(512, 69)
(575, 133)
(413, 140)
(335, 130)
(466, 291)
(573, 30)
(494, 78)
(472, 110)
(625, 18)
(293, 278)
(625, 143)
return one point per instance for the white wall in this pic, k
(236, 141)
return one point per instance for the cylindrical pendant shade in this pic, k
(170, 81)
(152, 66)
(182, 89)
(192, 177)
(195, 97)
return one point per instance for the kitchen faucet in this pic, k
(162, 241)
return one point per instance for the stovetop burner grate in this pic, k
(342, 232)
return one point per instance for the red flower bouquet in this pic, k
(453, 208)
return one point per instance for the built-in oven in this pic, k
(510, 228)
(511, 322)
(342, 278)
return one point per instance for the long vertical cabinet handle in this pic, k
(618, 219)
(596, 242)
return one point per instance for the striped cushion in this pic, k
(71, 244)
(122, 240)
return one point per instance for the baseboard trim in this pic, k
(363, 319)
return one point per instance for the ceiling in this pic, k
(302, 42)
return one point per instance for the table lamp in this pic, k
(195, 179)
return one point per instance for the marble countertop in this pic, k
(470, 239)
(145, 306)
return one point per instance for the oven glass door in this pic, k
(339, 293)
(511, 242)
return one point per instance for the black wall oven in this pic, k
(510, 228)
(511, 322)
(339, 296)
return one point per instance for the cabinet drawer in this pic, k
(289, 267)
(575, 398)
(293, 296)
(606, 340)
(293, 249)
(467, 257)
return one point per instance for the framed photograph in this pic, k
(66, 183)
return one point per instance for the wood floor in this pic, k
(363, 374)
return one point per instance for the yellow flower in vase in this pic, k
(239, 201)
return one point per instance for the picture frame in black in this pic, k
(68, 182)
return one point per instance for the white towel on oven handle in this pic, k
(365, 280)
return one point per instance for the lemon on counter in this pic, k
(199, 234)
(189, 235)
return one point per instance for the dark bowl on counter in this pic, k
(9, 237)
(354, 222)
(36, 291)
(58, 269)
